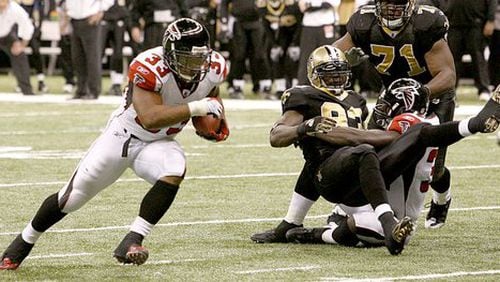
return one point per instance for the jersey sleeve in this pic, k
(431, 26)
(402, 122)
(147, 70)
(359, 24)
(293, 99)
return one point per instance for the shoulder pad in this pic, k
(294, 97)
(148, 69)
(402, 122)
(362, 19)
(430, 19)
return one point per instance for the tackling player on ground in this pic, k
(167, 86)
(403, 39)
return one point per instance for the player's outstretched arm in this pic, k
(284, 132)
(347, 136)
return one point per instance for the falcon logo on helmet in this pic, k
(402, 96)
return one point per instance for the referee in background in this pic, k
(16, 30)
(85, 17)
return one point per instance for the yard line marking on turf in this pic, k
(174, 261)
(215, 221)
(202, 177)
(300, 268)
(415, 277)
(59, 256)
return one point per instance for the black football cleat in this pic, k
(276, 235)
(15, 253)
(437, 215)
(488, 119)
(395, 242)
(303, 235)
(130, 250)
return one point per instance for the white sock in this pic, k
(280, 84)
(30, 235)
(239, 83)
(40, 77)
(327, 235)
(298, 208)
(141, 226)
(265, 84)
(463, 127)
(441, 198)
(382, 208)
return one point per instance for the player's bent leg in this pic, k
(153, 206)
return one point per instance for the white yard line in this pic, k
(415, 277)
(59, 256)
(266, 270)
(269, 174)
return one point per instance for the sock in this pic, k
(442, 184)
(30, 235)
(157, 201)
(265, 85)
(48, 214)
(463, 128)
(441, 135)
(116, 77)
(238, 84)
(280, 84)
(371, 180)
(141, 226)
(40, 77)
(298, 209)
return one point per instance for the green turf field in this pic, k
(232, 190)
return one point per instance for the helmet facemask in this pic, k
(393, 14)
(191, 66)
(334, 76)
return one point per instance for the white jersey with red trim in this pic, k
(413, 204)
(150, 72)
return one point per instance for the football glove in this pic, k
(316, 125)
(355, 56)
(206, 106)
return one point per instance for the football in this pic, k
(206, 126)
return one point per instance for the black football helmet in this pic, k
(402, 96)
(328, 69)
(186, 49)
(394, 14)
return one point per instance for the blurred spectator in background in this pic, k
(36, 12)
(205, 12)
(494, 60)
(154, 16)
(471, 22)
(282, 20)
(86, 45)
(65, 45)
(113, 26)
(16, 30)
(247, 42)
(318, 28)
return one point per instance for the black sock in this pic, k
(442, 184)
(440, 135)
(48, 214)
(343, 235)
(371, 180)
(157, 201)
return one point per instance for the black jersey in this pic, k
(348, 109)
(402, 54)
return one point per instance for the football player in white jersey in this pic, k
(167, 86)
(411, 153)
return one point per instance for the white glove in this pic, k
(205, 106)
(276, 53)
(293, 53)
